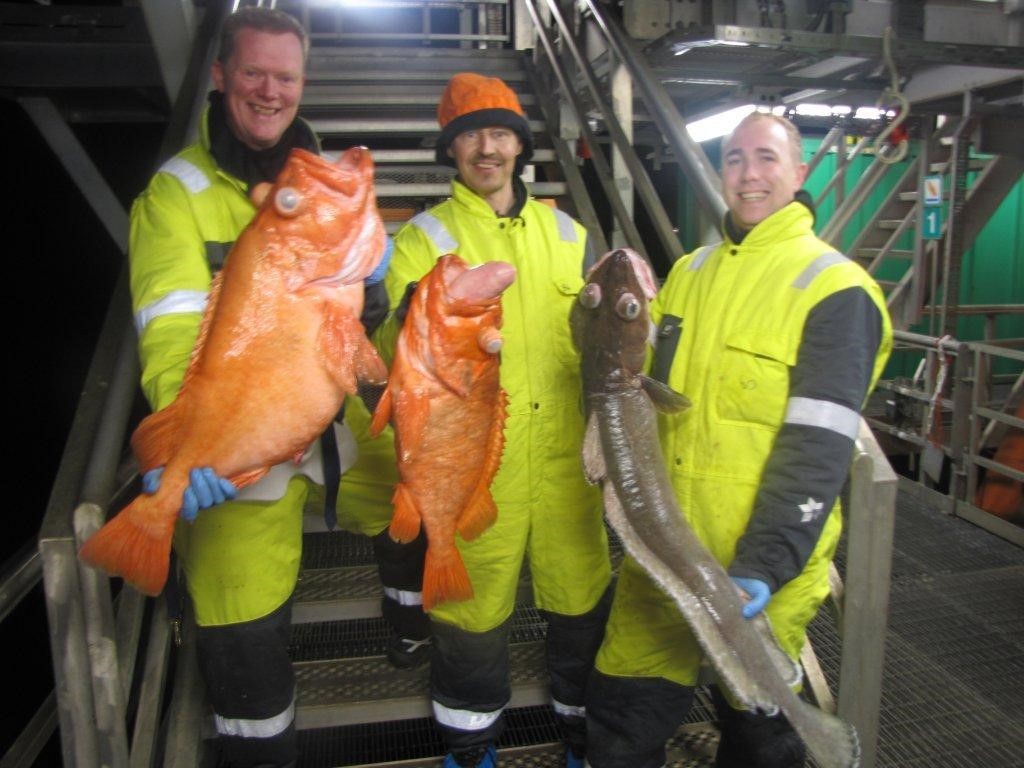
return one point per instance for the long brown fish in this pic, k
(447, 408)
(610, 326)
(280, 346)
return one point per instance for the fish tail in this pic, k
(444, 578)
(832, 742)
(405, 521)
(135, 545)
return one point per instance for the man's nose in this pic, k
(486, 143)
(267, 88)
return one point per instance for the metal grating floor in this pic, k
(953, 685)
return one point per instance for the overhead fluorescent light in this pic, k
(681, 48)
(813, 110)
(718, 125)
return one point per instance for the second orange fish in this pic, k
(447, 408)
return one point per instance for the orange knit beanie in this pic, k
(473, 101)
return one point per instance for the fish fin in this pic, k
(788, 668)
(479, 514)
(212, 300)
(665, 399)
(406, 519)
(832, 742)
(155, 439)
(346, 352)
(370, 368)
(382, 413)
(412, 415)
(135, 544)
(593, 454)
(248, 478)
(444, 578)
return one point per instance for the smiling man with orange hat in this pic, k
(546, 510)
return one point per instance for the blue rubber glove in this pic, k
(385, 261)
(205, 489)
(757, 591)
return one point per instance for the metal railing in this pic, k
(949, 414)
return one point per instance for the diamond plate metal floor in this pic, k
(953, 684)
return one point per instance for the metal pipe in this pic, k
(604, 173)
(662, 225)
(20, 578)
(663, 111)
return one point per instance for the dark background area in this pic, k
(63, 269)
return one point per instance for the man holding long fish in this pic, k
(279, 347)
(545, 509)
(776, 340)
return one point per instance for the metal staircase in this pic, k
(928, 271)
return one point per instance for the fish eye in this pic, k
(287, 201)
(628, 307)
(590, 296)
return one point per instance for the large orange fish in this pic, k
(279, 348)
(447, 408)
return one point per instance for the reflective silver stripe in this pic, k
(436, 231)
(403, 596)
(255, 729)
(823, 413)
(195, 180)
(463, 719)
(175, 302)
(568, 710)
(566, 226)
(817, 266)
(702, 256)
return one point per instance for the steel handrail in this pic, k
(663, 111)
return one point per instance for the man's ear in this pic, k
(217, 75)
(448, 151)
(801, 174)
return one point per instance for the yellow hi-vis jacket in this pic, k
(545, 506)
(751, 462)
(241, 558)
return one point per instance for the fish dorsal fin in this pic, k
(665, 399)
(593, 454)
(204, 326)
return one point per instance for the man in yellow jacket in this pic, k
(546, 510)
(240, 558)
(776, 340)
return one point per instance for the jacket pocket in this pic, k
(754, 377)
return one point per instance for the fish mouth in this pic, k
(477, 287)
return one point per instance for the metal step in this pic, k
(890, 224)
(385, 157)
(332, 594)
(869, 254)
(352, 681)
(379, 96)
(350, 126)
(530, 740)
(537, 189)
(408, 64)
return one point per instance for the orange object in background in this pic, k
(1001, 495)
